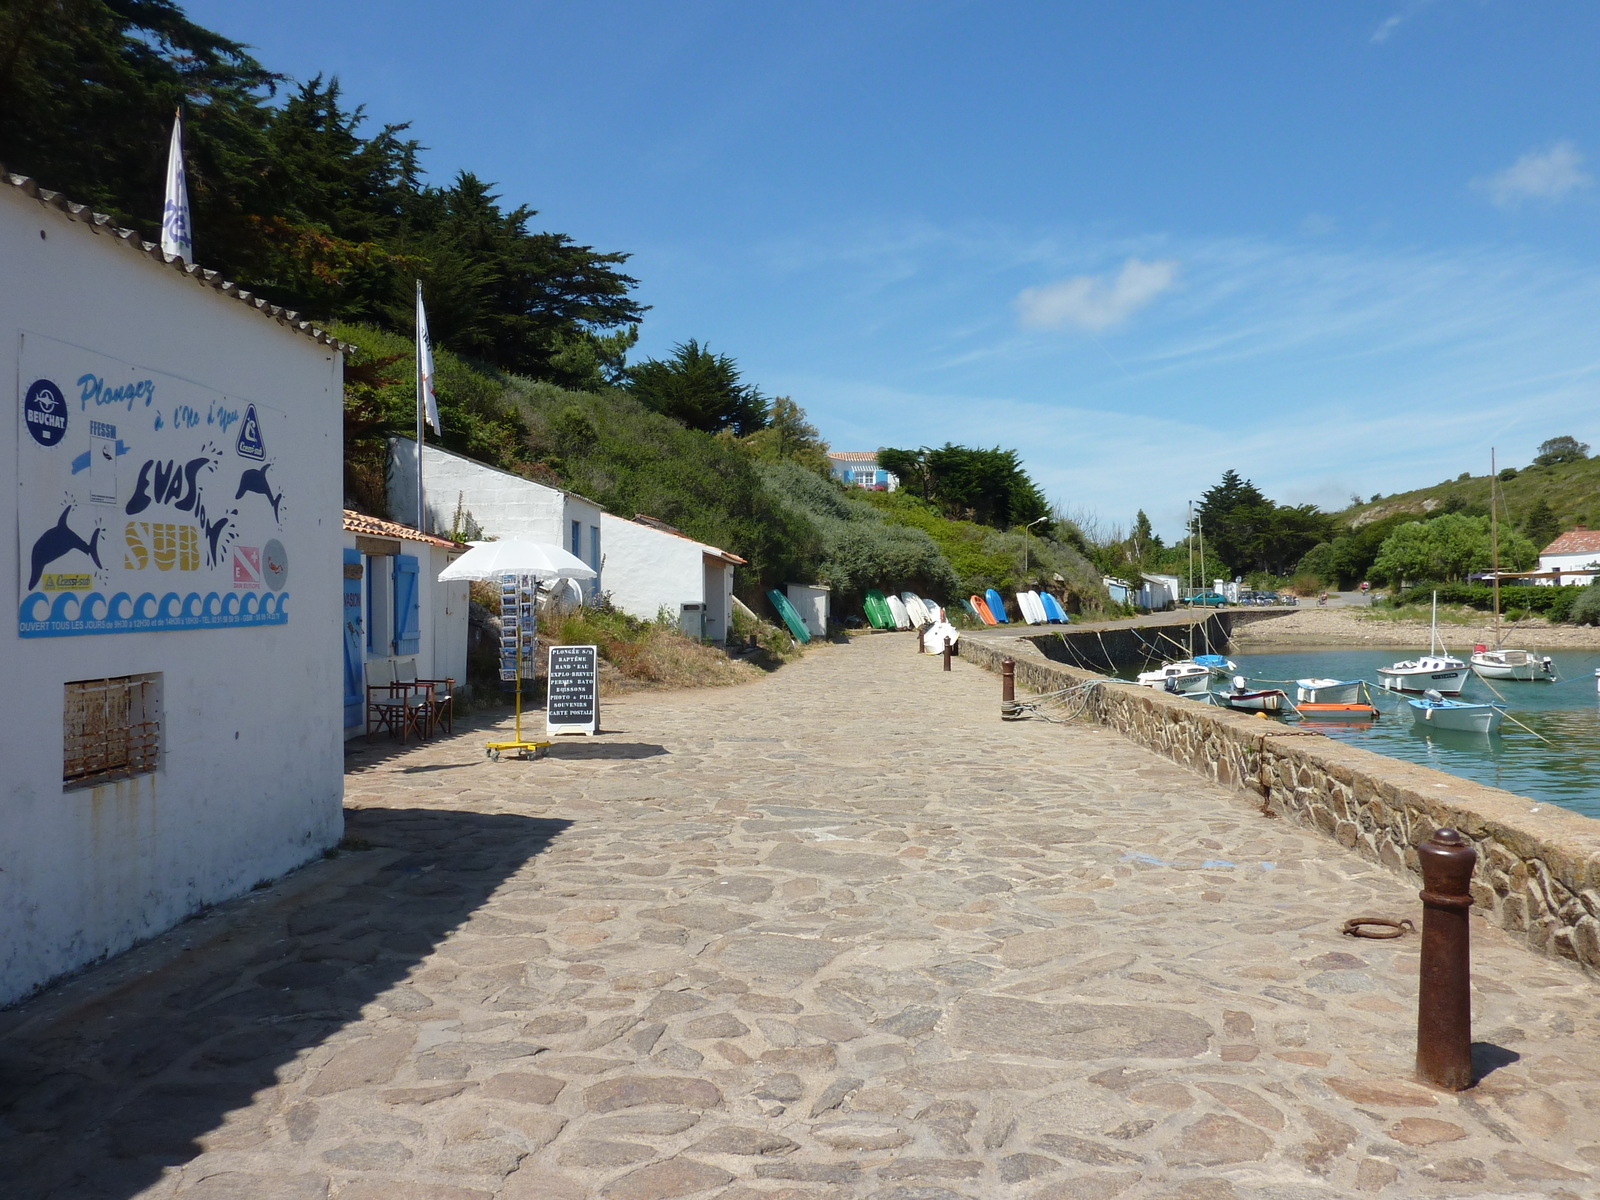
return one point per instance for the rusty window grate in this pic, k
(113, 729)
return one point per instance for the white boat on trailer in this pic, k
(1438, 670)
(1433, 711)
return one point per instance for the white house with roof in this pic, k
(170, 728)
(650, 566)
(859, 468)
(503, 505)
(396, 610)
(1574, 557)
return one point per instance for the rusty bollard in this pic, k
(947, 654)
(1444, 1003)
(1008, 681)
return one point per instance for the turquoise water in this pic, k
(1564, 769)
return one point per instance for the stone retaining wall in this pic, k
(1538, 872)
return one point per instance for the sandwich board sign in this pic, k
(573, 703)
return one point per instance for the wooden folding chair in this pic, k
(392, 704)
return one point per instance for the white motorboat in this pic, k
(1512, 664)
(1251, 699)
(1188, 677)
(1327, 691)
(1438, 669)
(1433, 711)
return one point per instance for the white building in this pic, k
(502, 504)
(1574, 557)
(859, 468)
(169, 728)
(395, 608)
(651, 566)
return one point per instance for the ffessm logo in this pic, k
(44, 412)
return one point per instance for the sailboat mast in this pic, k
(1494, 548)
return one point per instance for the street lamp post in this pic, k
(1025, 529)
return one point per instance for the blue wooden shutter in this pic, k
(353, 642)
(407, 606)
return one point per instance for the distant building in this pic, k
(1574, 557)
(859, 468)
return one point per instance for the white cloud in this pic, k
(1551, 174)
(1096, 302)
(1388, 25)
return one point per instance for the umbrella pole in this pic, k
(522, 748)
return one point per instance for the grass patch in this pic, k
(649, 653)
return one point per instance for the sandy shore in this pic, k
(1353, 627)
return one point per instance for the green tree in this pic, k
(1541, 525)
(789, 437)
(1564, 449)
(965, 483)
(699, 388)
(1249, 532)
(1447, 549)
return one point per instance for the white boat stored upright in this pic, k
(1327, 691)
(1433, 711)
(1437, 669)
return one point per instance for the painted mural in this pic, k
(146, 502)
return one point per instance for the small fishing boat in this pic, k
(1313, 711)
(1433, 711)
(1501, 663)
(1438, 670)
(1187, 677)
(1327, 691)
(1251, 699)
(1511, 664)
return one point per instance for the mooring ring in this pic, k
(1384, 927)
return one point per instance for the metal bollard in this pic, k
(922, 632)
(1444, 1004)
(1008, 681)
(947, 654)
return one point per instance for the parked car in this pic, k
(1267, 598)
(1209, 599)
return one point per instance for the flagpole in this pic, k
(421, 528)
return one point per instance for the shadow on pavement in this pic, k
(98, 1095)
(581, 750)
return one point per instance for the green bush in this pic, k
(1553, 603)
(1585, 608)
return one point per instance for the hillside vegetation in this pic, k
(1571, 490)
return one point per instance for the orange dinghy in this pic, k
(981, 606)
(1338, 712)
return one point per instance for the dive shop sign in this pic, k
(145, 502)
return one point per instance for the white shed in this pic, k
(650, 566)
(396, 608)
(502, 504)
(170, 723)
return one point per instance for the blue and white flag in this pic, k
(426, 400)
(177, 235)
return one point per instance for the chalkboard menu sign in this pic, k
(574, 695)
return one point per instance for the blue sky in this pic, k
(1341, 248)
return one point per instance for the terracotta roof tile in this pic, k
(355, 522)
(1574, 541)
(861, 456)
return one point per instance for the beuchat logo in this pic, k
(44, 412)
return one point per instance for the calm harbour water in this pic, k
(1564, 770)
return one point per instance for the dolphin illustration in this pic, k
(59, 540)
(213, 532)
(255, 480)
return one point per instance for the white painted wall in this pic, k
(503, 505)
(811, 602)
(647, 570)
(442, 636)
(251, 775)
(1580, 566)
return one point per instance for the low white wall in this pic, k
(250, 780)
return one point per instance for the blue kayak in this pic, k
(1053, 609)
(997, 606)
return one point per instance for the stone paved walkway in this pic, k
(839, 934)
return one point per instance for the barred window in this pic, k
(113, 729)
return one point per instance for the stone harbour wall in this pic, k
(1538, 872)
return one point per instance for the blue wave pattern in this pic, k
(68, 615)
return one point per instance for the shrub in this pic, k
(1553, 603)
(1585, 608)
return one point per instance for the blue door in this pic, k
(354, 640)
(407, 605)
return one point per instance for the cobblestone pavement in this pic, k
(839, 934)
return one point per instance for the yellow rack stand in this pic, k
(520, 748)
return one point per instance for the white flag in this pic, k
(426, 398)
(177, 235)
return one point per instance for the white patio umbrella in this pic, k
(514, 556)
